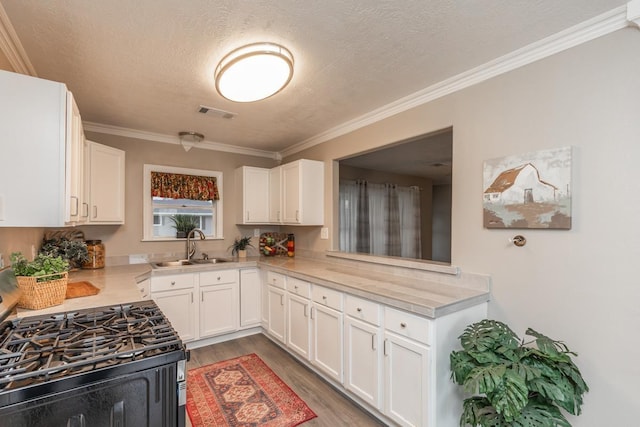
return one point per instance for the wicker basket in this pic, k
(37, 295)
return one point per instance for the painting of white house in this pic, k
(530, 190)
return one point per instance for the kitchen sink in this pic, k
(210, 261)
(184, 262)
(177, 263)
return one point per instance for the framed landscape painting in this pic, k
(531, 190)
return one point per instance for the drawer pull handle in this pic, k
(218, 278)
(324, 297)
(403, 325)
(359, 309)
(295, 287)
(173, 283)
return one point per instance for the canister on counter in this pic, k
(96, 254)
(291, 246)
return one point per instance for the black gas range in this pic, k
(120, 365)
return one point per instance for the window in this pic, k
(157, 210)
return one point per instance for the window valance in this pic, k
(179, 186)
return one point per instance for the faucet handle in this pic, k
(205, 256)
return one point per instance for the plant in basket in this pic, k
(43, 281)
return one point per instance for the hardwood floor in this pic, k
(333, 409)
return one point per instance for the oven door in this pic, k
(144, 398)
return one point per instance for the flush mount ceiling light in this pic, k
(189, 139)
(254, 72)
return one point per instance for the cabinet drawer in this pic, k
(363, 309)
(218, 276)
(276, 279)
(171, 282)
(299, 287)
(408, 325)
(328, 297)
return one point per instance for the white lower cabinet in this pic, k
(250, 302)
(277, 312)
(406, 366)
(201, 305)
(299, 317)
(394, 362)
(174, 294)
(362, 342)
(327, 321)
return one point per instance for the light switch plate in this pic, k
(256, 232)
(324, 233)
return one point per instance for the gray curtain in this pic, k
(363, 237)
(392, 221)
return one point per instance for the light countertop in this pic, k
(431, 298)
(117, 285)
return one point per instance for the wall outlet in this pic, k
(256, 232)
(324, 233)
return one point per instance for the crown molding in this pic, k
(633, 12)
(174, 139)
(12, 48)
(599, 26)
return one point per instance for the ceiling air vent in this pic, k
(216, 112)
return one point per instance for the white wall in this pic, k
(579, 285)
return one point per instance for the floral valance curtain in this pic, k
(178, 186)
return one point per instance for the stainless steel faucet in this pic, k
(191, 244)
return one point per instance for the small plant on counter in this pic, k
(522, 383)
(73, 251)
(183, 224)
(42, 265)
(240, 244)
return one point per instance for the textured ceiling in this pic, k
(148, 64)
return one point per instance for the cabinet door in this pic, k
(275, 194)
(363, 368)
(75, 162)
(327, 341)
(291, 193)
(218, 309)
(106, 184)
(179, 307)
(298, 325)
(277, 312)
(406, 380)
(32, 161)
(255, 195)
(250, 297)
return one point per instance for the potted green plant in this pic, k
(73, 251)
(240, 245)
(42, 282)
(521, 383)
(183, 224)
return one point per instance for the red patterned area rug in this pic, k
(242, 392)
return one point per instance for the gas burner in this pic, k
(53, 367)
(48, 348)
(125, 352)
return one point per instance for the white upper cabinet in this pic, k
(275, 191)
(104, 184)
(34, 170)
(291, 194)
(303, 192)
(253, 207)
(75, 164)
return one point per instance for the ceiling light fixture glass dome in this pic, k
(254, 72)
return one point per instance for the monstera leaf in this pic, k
(521, 384)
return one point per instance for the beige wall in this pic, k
(126, 239)
(580, 285)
